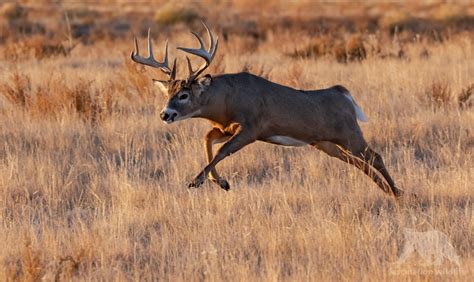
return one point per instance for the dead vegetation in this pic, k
(354, 49)
(172, 13)
(440, 95)
(54, 98)
(37, 47)
(465, 97)
(92, 184)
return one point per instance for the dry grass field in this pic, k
(93, 184)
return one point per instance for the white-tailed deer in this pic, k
(244, 108)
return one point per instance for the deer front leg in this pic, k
(215, 136)
(240, 139)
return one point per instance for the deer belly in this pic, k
(285, 140)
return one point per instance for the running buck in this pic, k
(244, 108)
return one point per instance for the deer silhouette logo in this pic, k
(433, 247)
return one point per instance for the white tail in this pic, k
(359, 113)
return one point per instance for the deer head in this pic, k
(184, 96)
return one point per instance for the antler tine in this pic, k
(192, 74)
(212, 48)
(201, 52)
(190, 68)
(201, 43)
(208, 55)
(173, 70)
(150, 60)
(150, 47)
(165, 60)
(136, 51)
(215, 49)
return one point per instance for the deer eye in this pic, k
(184, 97)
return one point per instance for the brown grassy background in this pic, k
(92, 184)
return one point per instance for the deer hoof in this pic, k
(198, 181)
(224, 185)
(194, 184)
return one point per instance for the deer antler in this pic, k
(208, 55)
(150, 60)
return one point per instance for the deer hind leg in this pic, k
(375, 160)
(215, 136)
(363, 164)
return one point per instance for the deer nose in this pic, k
(164, 116)
(168, 115)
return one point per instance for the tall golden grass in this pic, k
(93, 185)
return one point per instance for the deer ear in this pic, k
(205, 81)
(162, 85)
(200, 85)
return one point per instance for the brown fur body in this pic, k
(244, 108)
(272, 109)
